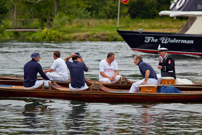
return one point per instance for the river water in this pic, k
(61, 117)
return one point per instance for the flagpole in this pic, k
(118, 14)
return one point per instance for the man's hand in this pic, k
(160, 59)
(111, 78)
(143, 83)
(81, 59)
(73, 55)
(159, 67)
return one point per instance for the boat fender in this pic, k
(173, 4)
(180, 4)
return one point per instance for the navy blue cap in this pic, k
(35, 55)
(78, 54)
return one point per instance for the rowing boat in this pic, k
(4, 77)
(102, 93)
(16, 80)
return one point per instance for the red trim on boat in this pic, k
(171, 52)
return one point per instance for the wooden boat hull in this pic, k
(116, 86)
(98, 96)
(103, 94)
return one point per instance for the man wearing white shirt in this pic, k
(109, 69)
(58, 70)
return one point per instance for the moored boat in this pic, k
(186, 41)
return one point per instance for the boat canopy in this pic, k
(193, 25)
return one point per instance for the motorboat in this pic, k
(187, 41)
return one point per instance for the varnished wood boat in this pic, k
(4, 77)
(101, 93)
(16, 80)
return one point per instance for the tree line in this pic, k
(50, 12)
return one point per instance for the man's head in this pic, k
(137, 59)
(35, 56)
(111, 56)
(162, 52)
(76, 57)
(56, 54)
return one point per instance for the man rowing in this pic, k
(31, 69)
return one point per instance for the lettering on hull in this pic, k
(167, 40)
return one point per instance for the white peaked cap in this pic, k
(162, 48)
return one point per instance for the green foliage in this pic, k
(46, 35)
(2, 29)
(54, 13)
(43, 10)
(6, 24)
(147, 8)
(107, 9)
(79, 19)
(3, 10)
(60, 20)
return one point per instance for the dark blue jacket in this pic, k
(168, 89)
(168, 66)
(77, 69)
(144, 67)
(31, 69)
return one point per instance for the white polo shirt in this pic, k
(109, 70)
(60, 66)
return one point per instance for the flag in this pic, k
(124, 1)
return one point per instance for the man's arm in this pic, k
(116, 73)
(49, 70)
(147, 73)
(43, 75)
(116, 70)
(70, 56)
(105, 76)
(84, 63)
(160, 63)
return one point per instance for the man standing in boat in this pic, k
(58, 70)
(31, 69)
(166, 64)
(147, 72)
(109, 69)
(77, 68)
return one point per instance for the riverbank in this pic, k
(94, 30)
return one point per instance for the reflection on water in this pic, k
(76, 118)
(40, 116)
(43, 116)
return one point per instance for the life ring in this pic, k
(180, 4)
(173, 4)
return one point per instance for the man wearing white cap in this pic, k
(58, 70)
(31, 69)
(166, 64)
(77, 68)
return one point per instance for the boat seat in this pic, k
(42, 87)
(148, 88)
(168, 80)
